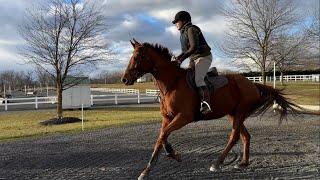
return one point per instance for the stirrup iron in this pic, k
(207, 104)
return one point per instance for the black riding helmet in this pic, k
(182, 16)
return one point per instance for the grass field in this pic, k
(305, 93)
(302, 93)
(23, 124)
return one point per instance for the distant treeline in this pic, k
(291, 72)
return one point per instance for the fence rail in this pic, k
(32, 100)
(135, 93)
(312, 77)
(113, 90)
(152, 92)
(130, 95)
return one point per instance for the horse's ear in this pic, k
(133, 45)
(136, 42)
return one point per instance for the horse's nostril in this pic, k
(124, 80)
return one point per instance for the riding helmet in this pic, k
(182, 16)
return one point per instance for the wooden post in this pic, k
(274, 74)
(82, 125)
(36, 102)
(91, 100)
(116, 98)
(274, 85)
(6, 104)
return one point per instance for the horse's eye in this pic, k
(135, 62)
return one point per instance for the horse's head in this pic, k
(139, 64)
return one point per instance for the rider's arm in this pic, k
(193, 42)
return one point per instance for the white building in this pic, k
(76, 95)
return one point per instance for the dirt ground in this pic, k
(288, 151)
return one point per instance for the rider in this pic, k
(194, 46)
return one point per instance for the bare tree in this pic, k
(254, 25)
(314, 29)
(64, 38)
(313, 32)
(16, 80)
(287, 51)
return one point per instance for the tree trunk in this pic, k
(59, 103)
(263, 75)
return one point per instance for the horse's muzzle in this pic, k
(127, 81)
(124, 80)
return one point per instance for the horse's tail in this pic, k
(269, 95)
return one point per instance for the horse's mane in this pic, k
(165, 52)
(160, 49)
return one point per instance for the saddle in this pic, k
(213, 80)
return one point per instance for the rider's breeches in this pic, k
(202, 65)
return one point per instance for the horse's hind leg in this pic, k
(233, 138)
(170, 152)
(245, 137)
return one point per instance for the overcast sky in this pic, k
(146, 20)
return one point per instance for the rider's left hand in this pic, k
(176, 63)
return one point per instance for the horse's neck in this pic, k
(166, 74)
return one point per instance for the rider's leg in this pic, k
(202, 65)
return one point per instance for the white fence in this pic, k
(112, 90)
(116, 98)
(312, 77)
(134, 93)
(119, 95)
(152, 92)
(27, 101)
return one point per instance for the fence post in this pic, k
(116, 98)
(91, 100)
(36, 102)
(138, 97)
(82, 125)
(6, 104)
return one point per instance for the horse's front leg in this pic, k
(167, 127)
(156, 151)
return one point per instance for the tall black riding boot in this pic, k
(205, 98)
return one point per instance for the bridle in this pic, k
(155, 72)
(138, 72)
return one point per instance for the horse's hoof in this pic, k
(142, 176)
(215, 168)
(241, 166)
(178, 157)
(175, 156)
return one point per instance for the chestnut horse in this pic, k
(180, 104)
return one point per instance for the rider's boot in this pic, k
(205, 99)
